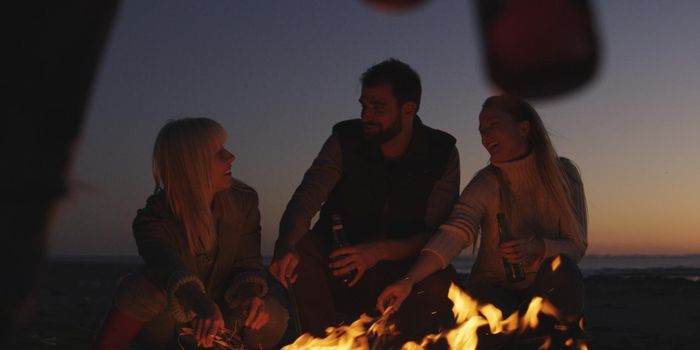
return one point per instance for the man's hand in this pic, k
(256, 315)
(283, 268)
(523, 250)
(361, 258)
(394, 295)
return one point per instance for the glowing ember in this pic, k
(555, 263)
(469, 317)
(225, 338)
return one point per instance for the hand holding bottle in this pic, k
(512, 266)
(523, 250)
(358, 258)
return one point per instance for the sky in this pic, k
(278, 74)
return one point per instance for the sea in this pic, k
(591, 264)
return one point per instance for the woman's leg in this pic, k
(118, 329)
(137, 301)
(506, 300)
(427, 310)
(270, 334)
(560, 282)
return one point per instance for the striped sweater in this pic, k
(533, 212)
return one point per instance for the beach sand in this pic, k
(625, 309)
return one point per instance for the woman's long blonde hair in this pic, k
(549, 167)
(182, 158)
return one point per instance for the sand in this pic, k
(625, 309)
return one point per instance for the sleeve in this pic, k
(319, 180)
(574, 231)
(463, 225)
(160, 247)
(444, 194)
(248, 277)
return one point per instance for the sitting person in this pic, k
(389, 180)
(542, 198)
(199, 237)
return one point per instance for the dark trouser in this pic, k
(562, 287)
(321, 296)
(142, 301)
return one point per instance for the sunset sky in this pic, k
(278, 74)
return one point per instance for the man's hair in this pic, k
(404, 81)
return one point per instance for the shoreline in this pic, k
(593, 265)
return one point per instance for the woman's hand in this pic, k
(208, 319)
(394, 295)
(360, 258)
(523, 250)
(256, 315)
(207, 323)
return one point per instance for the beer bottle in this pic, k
(514, 272)
(339, 242)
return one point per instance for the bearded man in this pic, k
(392, 181)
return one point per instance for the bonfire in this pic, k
(368, 333)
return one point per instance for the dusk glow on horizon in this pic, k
(279, 75)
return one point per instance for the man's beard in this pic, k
(382, 136)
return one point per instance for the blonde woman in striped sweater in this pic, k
(542, 197)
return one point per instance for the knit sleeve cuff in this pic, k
(245, 285)
(443, 262)
(176, 280)
(446, 245)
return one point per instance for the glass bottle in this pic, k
(340, 242)
(514, 272)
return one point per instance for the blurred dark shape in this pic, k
(538, 48)
(393, 6)
(53, 49)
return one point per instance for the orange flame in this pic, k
(469, 316)
(350, 337)
(555, 263)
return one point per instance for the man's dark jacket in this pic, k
(380, 199)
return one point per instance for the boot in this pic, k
(117, 331)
